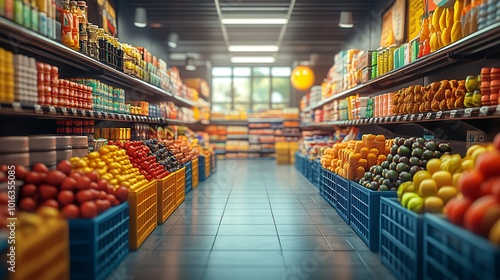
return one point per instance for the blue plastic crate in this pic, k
(365, 213)
(343, 195)
(327, 186)
(316, 168)
(214, 164)
(189, 177)
(451, 252)
(98, 246)
(401, 240)
(309, 164)
(201, 168)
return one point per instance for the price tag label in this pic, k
(99, 115)
(83, 112)
(412, 118)
(468, 113)
(52, 110)
(453, 114)
(134, 117)
(398, 118)
(38, 109)
(387, 119)
(17, 107)
(392, 119)
(64, 111)
(74, 112)
(420, 117)
(92, 113)
(405, 118)
(429, 116)
(498, 109)
(439, 114)
(106, 115)
(483, 112)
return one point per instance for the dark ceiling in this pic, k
(312, 32)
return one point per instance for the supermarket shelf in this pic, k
(485, 112)
(276, 120)
(288, 135)
(217, 141)
(48, 50)
(261, 151)
(486, 39)
(52, 112)
(229, 122)
(237, 137)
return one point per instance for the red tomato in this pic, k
(110, 189)
(65, 167)
(112, 200)
(4, 168)
(496, 142)
(70, 211)
(21, 172)
(488, 164)
(95, 194)
(55, 178)
(102, 205)
(66, 197)
(47, 192)
(34, 178)
(68, 184)
(482, 215)
(40, 167)
(93, 176)
(50, 203)
(102, 195)
(4, 199)
(93, 186)
(88, 210)
(455, 209)
(470, 184)
(490, 185)
(83, 183)
(29, 190)
(102, 184)
(83, 196)
(27, 204)
(121, 194)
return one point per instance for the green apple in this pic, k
(404, 188)
(416, 204)
(407, 197)
(471, 82)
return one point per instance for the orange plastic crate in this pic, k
(207, 166)
(166, 197)
(143, 212)
(42, 252)
(195, 171)
(180, 191)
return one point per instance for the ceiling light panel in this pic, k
(252, 59)
(249, 48)
(254, 21)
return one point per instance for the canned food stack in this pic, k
(315, 97)
(14, 150)
(115, 134)
(7, 76)
(361, 104)
(25, 80)
(43, 150)
(488, 13)
(490, 86)
(48, 84)
(328, 112)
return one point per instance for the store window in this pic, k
(250, 88)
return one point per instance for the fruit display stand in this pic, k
(98, 246)
(180, 186)
(214, 163)
(401, 240)
(195, 173)
(203, 167)
(189, 177)
(451, 252)
(328, 183)
(365, 213)
(315, 177)
(167, 201)
(42, 249)
(343, 195)
(309, 164)
(143, 212)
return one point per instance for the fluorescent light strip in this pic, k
(252, 59)
(253, 48)
(254, 21)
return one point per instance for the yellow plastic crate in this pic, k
(167, 204)
(195, 174)
(207, 166)
(143, 212)
(180, 192)
(294, 146)
(282, 146)
(42, 252)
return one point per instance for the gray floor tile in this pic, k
(244, 273)
(307, 243)
(298, 230)
(322, 258)
(247, 230)
(293, 220)
(246, 242)
(291, 206)
(177, 242)
(339, 243)
(341, 229)
(193, 229)
(247, 220)
(159, 272)
(245, 258)
(248, 206)
(203, 212)
(290, 212)
(247, 212)
(199, 220)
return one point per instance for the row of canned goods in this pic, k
(75, 127)
(115, 134)
(385, 60)
(109, 105)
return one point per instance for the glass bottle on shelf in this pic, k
(75, 25)
(83, 26)
(102, 45)
(34, 16)
(93, 43)
(66, 25)
(42, 17)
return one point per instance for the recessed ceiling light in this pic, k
(252, 59)
(254, 21)
(238, 48)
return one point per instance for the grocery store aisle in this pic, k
(253, 220)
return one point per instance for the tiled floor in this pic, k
(253, 220)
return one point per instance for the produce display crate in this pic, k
(299, 164)
(195, 172)
(203, 168)
(208, 166)
(189, 177)
(167, 201)
(214, 163)
(308, 174)
(180, 188)
(343, 195)
(401, 240)
(327, 186)
(143, 213)
(99, 245)
(365, 213)
(43, 255)
(316, 168)
(451, 252)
